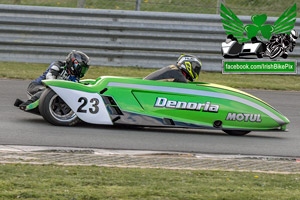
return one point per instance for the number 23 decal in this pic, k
(94, 109)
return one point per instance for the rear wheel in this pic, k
(55, 110)
(236, 133)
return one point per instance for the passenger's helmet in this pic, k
(77, 63)
(294, 35)
(190, 66)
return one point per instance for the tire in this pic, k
(55, 110)
(276, 52)
(284, 56)
(260, 55)
(236, 133)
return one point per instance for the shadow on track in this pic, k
(163, 130)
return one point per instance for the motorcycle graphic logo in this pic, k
(244, 40)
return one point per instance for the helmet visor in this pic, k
(294, 36)
(80, 69)
(196, 68)
(83, 71)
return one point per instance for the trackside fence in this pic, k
(112, 37)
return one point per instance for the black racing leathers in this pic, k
(170, 73)
(55, 71)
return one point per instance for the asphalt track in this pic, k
(20, 128)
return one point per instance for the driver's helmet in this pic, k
(231, 38)
(77, 63)
(294, 35)
(190, 66)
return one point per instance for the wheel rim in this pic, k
(276, 52)
(60, 110)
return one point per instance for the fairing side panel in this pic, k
(207, 111)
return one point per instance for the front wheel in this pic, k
(236, 132)
(285, 55)
(276, 51)
(260, 55)
(55, 110)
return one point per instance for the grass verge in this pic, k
(18, 181)
(269, 82)
(239, 7)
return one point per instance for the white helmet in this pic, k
(294, 35)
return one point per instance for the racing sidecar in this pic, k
(133, 101)
(234, 49)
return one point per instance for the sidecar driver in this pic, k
(74, 68)
(187, 68)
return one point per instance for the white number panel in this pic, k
(89, 107)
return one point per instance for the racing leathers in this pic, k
(169, 73)
(56, 70)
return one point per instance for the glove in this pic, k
(73, 78)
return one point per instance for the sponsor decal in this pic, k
(204, 107)
(246, 117)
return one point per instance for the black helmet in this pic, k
(190, 66)
(77, 63)
(294, 35)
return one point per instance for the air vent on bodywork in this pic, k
(108, 100)
(114, 110)
(111, 105)
(104, 90)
